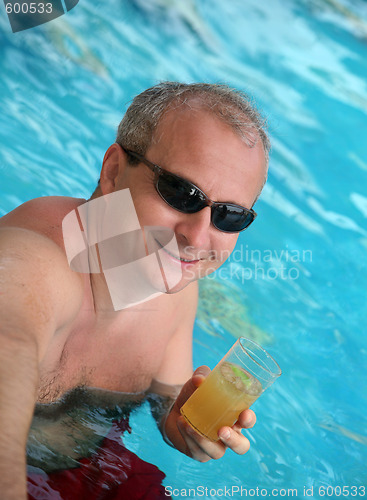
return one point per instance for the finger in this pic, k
(246, 419)
(201, 448)
(234, 440)
(236, 427)
(192, 448)
(200, 375)
(192, 384)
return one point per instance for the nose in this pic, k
(194, 229)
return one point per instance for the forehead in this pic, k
(189, 122)
(199, 146)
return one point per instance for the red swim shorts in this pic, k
(112, 472)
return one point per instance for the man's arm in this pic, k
(176, 367)
(38, 296)
(175, 383)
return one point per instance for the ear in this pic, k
(114, 164)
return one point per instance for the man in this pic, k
(58, 328)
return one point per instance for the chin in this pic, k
(180, 286)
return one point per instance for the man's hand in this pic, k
(188, 441)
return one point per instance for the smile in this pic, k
(175, 257)
(178, 258)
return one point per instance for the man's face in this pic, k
(199, 147)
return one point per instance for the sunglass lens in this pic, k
(180, 194)
(230, 218)
(185, 197)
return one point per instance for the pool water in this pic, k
(298, 280)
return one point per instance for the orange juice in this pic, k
(227, 391)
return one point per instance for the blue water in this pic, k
(64, 87)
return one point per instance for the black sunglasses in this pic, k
(185, 197)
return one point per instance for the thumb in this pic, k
(200, 375)
(192, 384)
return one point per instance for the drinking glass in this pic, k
(244, 373)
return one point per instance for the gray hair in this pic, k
(237, 109)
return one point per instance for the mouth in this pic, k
(177, 258)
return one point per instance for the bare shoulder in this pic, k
(42, 215)
(41, 206)
(36, 281)
(31, 253)
(17, 243)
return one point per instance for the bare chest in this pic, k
(118, 355)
